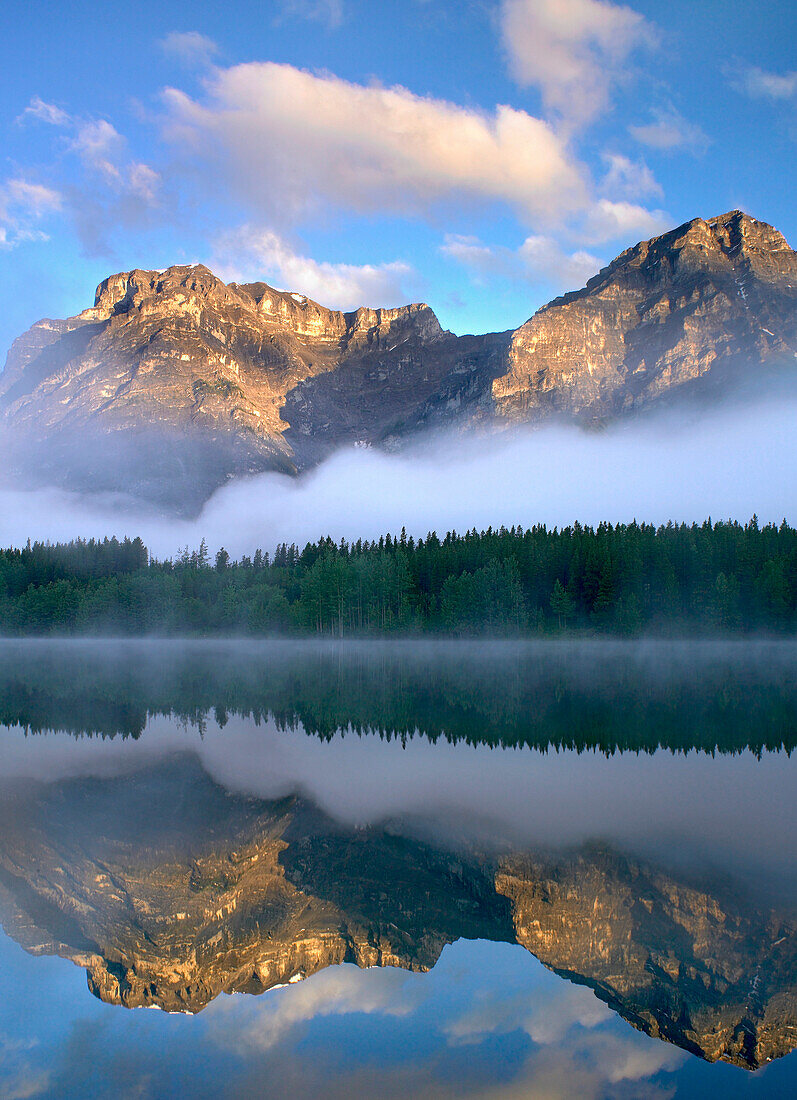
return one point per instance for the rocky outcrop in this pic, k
(697, 304)
(169, 891)
(180, 346)
(174, 382)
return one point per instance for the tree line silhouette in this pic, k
(622, 579)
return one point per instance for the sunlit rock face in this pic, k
(174, 382)
(693, 966)
(175, 377)
(169, 890)
(693, 306)
(180, 346)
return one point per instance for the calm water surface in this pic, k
(398, 869)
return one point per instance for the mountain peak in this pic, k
(312, 318)
(706, 298)
(236, 378)
(127, 289)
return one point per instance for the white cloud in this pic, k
(321, 11)
(539, 259)
(102, 150)
(144, 182)
(543, 257)
(473, 253)
(623, 1059)
(290, 141)
(628, 179)
(253, 1025)
(189, 47)
(22, 204)
(30, 198)
(669, 130)
(131, 192)
(99, 145)
(608, 220)
(108, 188)
(766, 85)
(250, 253)
(44, 112)
(546, 1014)
(573, 50)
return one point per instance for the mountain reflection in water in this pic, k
(240, 854)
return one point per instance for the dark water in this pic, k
(406, 869)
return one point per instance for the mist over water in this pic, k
(684, 465)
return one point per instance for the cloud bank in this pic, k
(723, 812)
(251, 253)
(540, 259)
(289, 141)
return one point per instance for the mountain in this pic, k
(170, 890)
(173, 382)
(690, 308)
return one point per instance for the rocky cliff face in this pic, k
(709, 298)
(178, 381)
(169, 891)
(678, 962)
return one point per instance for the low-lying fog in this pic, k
(728, 463)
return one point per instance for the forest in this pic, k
(622, 579)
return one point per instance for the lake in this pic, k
(398, 869)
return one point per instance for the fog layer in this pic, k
(729, 463)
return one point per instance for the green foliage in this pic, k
(621, 579)
(562, 603)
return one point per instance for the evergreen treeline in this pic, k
(621, 579)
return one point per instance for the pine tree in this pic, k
(561, 603)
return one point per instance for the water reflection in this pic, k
(238, 857)
(612, 696)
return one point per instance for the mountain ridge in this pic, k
(178, 377)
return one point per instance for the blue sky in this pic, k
(481, 155)
(488, 1022)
